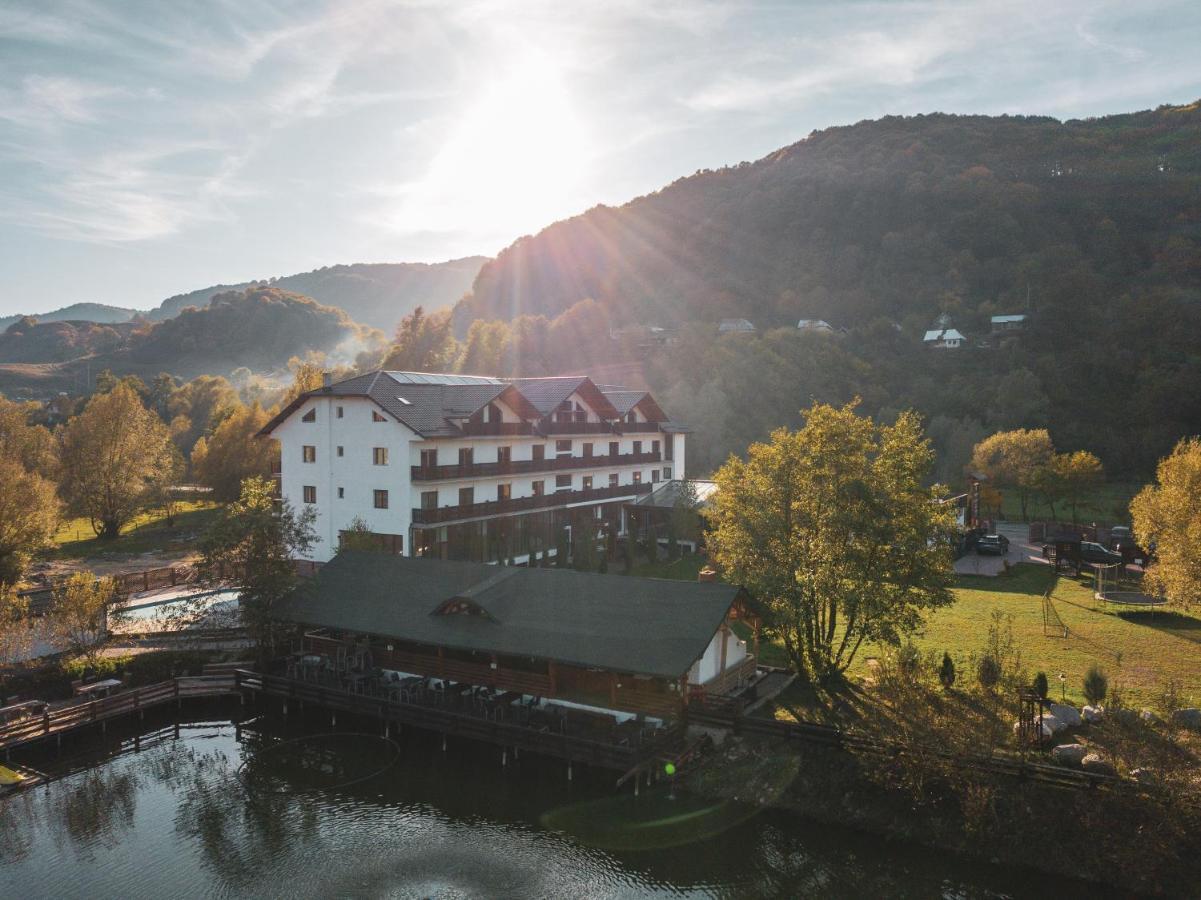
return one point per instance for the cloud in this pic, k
(47, 100)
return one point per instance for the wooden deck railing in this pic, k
(67, 718)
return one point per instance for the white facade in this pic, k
(350, 449)
(708, 666)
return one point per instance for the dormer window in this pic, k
(461, 606)
(376, 417)
(310, 416)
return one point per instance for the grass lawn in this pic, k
(1108, 503)
(75, 538)
(1140, 649)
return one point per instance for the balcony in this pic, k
(497, 429)
(549, 428)
(637, 427)
(442, 514)
(527, 466)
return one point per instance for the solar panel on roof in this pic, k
(439, 378)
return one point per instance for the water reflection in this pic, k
(176, 820)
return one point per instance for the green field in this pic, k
(76, 539)
(1140, 649)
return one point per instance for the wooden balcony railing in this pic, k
(443, 514)
(526, 466)
(497, 429)
(636, 427)
(575, 428)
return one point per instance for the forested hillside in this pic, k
(379, 294)
(1093, 227)
(79, 312)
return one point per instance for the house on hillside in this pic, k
(1010, 323)
(815, 325)
(644, 335)
(944, 338)
(471, 467)
(735, 326)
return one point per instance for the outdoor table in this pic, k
(20, 710)
(98, 688)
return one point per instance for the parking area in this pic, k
(1020, 551)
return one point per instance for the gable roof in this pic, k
(944, 334)
(646, 626)
(1016, 317)
(430, 403)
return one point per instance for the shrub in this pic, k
(909, 660)
(151, 668)
(1096, 685)
(946, 673)
(988, 672)
(1040, 685)
(97, 667)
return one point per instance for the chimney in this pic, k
(326, 380)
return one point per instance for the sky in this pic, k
(152, 148)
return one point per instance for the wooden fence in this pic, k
(58, 721)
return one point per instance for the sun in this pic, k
(512, 162)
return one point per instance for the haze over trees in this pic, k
(832, 529)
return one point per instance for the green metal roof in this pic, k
(647, 626)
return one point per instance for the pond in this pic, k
(276, 807)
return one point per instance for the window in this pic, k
(588, 451)
(339, 413)
(667, 473)
(504, 454)
(654, 447)
(379, 456)
(381, 499)
(587, 483)
(539, 488)
(540, 451)
(637, 478)
(310, 416)
(614, 448)
(310, 493)
(669, 446)
(631, 417)
(654, 475)
(341, 493)
(376, 417)
(429, 499)
(466, 496)
(612, 479)
(340, 451)
(581, 415)
(492, 413)
(563, 413)
(429, 459)
(562, 448)
(504, 491)
(308, 453)
(637, 447)
(562, 482)
(466, 456)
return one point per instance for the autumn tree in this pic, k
(114, 458)
(423, 343)
(359, 536)
(1016, 459)
(1167, 516)
(253, 544)
(32, 445)
(82, 611)
(234, 453)
(16, 634)
(831, 529)
(1076, 474)
(29, 514)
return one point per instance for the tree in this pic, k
(253, 544)
(1167, 519)
(683, 522)
(114, 454)
(1016, 459)
(82, 611)
(234, 452)
(1096, 685)
(423, 343)
(15, 632)
(1040, 685)
(32, 445)
(1076, 473)
(359, 536)
(831, 529)
(29, 515)
(946, 673)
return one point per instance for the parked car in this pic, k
(1092, 552)
(993, 545)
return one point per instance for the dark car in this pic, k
(1092, 552)
(992, 545)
